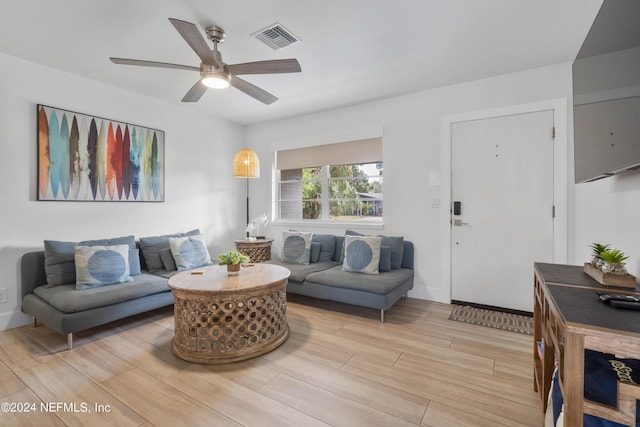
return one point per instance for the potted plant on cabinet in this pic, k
(607, 267)
(233, 260)
(614, 262)
(597, 249)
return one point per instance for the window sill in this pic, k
(363, 225)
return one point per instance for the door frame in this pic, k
(560, 174)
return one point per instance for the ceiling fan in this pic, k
(213, 72)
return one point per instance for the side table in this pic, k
(258, 250)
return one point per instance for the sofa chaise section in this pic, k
(328, 281)
(72, 286)
(66, 310)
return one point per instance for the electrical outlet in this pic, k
(3, 295)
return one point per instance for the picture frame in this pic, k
(90, 158)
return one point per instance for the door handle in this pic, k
(459, 223)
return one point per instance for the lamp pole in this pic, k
(247, 207)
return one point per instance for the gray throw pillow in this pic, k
(153, 245)
(315, 251)
(167, 260)
(385, 259)
(328, 244)
(59, 262)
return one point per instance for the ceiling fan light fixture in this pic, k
(216, 79)
(214, 73)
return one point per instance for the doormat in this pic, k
(492, 319)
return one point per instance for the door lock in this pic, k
(457, 208)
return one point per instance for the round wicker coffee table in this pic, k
(221, 318)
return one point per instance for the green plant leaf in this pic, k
(233, 257)
(598, 248)
(613, 256)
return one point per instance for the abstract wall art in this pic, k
(86, 158)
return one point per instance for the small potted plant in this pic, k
(233, 260)
(614, 261)
(597, 249)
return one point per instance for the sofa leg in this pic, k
(69, 341)
(35, 322)
(404, 297)
(381, 316)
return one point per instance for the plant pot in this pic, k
(233, 269)
(597, 262)
(617, 268)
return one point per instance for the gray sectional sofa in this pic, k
(50, 294)
(325, 278)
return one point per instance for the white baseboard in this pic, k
(13, 319)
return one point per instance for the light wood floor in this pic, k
(339, 367)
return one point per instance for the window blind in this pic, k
(343, 153)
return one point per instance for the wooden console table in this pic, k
(259, 250)
(221, 318)
(569, 318)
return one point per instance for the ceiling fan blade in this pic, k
(253, 90)
(195, 93)
(143, 63)
(192, 36)
(266, 67)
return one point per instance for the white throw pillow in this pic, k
(189, 252)
(362, 254)
(101, 265)
(296, 247)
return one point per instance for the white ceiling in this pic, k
(352, 51)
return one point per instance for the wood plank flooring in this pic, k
(339, 367)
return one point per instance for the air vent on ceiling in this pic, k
(276, 36)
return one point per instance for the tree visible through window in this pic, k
(332, 192)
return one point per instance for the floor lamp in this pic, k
(246, 165)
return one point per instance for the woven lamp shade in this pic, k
(246, 164)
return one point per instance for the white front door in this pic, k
(502, 175)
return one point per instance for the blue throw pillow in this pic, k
(189, 252)
(296, 247)
(101, 265)
(362, 254)
(396, 243)
(134, 253)
(59, 257)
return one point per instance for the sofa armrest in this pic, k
(32, 271)
(407, 255)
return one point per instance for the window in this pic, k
(333, 191)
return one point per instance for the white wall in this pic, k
(411, 128)
(200, 190)
(607, 211)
